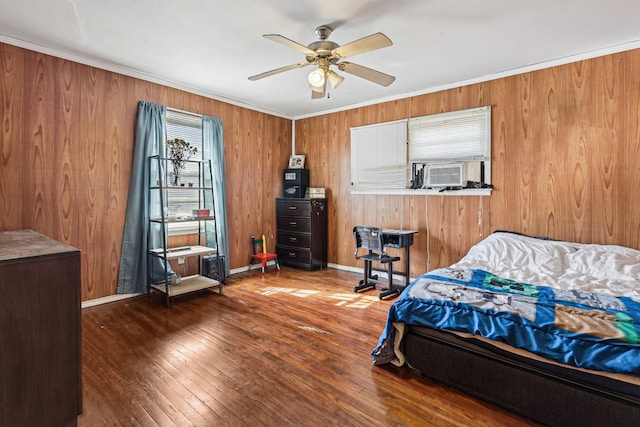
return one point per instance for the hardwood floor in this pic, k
(287, 349)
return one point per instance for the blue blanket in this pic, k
(578, 328)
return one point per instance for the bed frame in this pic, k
(543, 392)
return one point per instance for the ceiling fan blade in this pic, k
(278, 70)
(365, 44)
(288, 42)
(366, 73)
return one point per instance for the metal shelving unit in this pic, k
(160, 275)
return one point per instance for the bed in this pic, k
(548, 329)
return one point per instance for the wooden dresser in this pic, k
(40, 331)
(302, 233)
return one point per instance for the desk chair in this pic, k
(371, 239)
(259, 248)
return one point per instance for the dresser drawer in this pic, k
(293, 208)
(295, 257)
(294, 239)
(289, 223)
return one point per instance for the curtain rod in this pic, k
(175, 110)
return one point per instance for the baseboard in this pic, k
(346, 268)
(119, 297)
(106, 300)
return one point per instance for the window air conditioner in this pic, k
(451, 175)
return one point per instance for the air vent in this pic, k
(446, 175)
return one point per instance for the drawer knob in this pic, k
(293, 223)
(292, 254)
(293, 239)
(293, 208)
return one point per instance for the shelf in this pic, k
(178, 187)
(173, 253)
(182, 219)
(189, 284)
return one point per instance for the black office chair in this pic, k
(371, 239)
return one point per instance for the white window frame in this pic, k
(453, 138)
(460, 137)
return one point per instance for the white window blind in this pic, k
(181, 203)
(379, 156)
(463, 135)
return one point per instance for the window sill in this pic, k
(427, 192)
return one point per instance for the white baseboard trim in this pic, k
(346, 268)
(106, 300)
(119, 297)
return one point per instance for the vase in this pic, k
(175, 178)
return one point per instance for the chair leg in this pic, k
(365, 283)
(264, 262)
(393, 290)
(277, 263)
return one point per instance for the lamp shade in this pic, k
(316, 89)
(334, 78)
(317, 77)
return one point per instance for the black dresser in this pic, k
(41, 331)
(302, 233)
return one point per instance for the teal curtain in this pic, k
(213, 148)
(149, 141)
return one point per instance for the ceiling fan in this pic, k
(324, 53)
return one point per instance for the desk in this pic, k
(399, 239)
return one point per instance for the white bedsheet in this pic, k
(607, 269)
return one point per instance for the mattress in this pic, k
(576, 304)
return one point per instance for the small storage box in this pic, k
(316, 193)
(214, 270)
(200, 212)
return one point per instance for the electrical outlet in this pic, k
(181, 260)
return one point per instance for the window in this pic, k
(181, 203)
(441, 151)
(456, 136)
(379, 156)
(451, 150)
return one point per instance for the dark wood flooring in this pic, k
(287, 349)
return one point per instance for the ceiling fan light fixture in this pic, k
(334, 78)
(316, 89)
(316, 78)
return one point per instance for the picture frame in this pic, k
(296, 161)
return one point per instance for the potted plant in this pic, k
(178, 151)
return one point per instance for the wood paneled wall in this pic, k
(566, 151)
(565, 163)
(66, 147)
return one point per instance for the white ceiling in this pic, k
(211, 47)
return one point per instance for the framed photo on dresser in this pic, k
(296, 161)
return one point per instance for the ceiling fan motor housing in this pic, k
(323, 49)
(323, 32)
